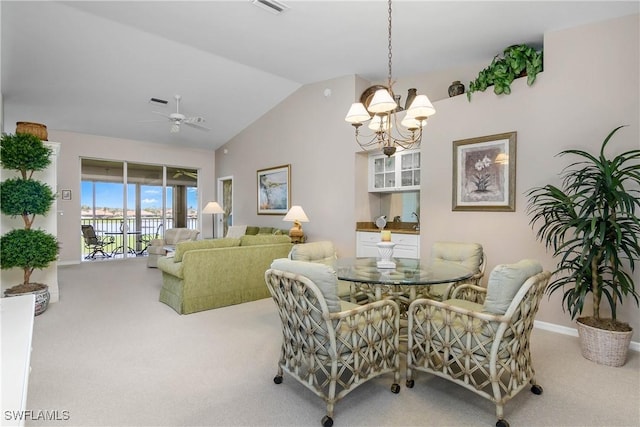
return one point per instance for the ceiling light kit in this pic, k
(388, 134)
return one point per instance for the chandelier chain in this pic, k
(390, 54)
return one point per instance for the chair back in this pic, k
(89, 235)
(470, 255)
(173, 236)
(322, 252)
(305, 293)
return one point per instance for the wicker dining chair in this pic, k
(469, 254)
(329, 349)
(484, 348)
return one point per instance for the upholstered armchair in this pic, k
(158, 247)
(470, 255)
(485, 347)
(327, 347)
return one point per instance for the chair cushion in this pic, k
(263, 239)
(189, 245)
(322, 252)
(467, 254)
(505, 281)
(323, 276)
(236, 231)
(175, 235)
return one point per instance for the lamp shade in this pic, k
(296, 214)
(357, 113)
(421, 108)
(212, 208)
(382, 102)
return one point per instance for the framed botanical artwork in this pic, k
(274, 190)
(66, 194)
(484, 173)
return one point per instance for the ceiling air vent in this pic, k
(158, 101)
(272, 6)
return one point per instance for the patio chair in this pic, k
(329, 349)
(484, 348)
(93, 243)
(145, 239)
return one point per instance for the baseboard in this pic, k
(68, 262)
(564, 330)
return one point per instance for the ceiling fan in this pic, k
(178, 119)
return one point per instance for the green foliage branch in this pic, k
(592, 226)
(515, 61)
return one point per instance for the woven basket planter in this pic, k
(604, 347)
(36, 129)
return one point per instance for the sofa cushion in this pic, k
(183, 247)
(252, 230)
(265, 230)
(263, 239)
(236, 231)
(323, 276)
(322, 252)
(504, 282)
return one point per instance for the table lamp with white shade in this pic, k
(213, 208)
(297, 216)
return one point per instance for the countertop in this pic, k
(394, 227)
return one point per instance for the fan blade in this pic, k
(194, 120)
(166, 116)
(197, 126)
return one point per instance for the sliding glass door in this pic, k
(132, 203)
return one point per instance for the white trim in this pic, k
(564, 330)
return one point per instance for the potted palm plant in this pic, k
(591, 223)
(516, 61)
(27, 248)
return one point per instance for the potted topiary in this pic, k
(591, 223)
(516, 61)
(27, 248)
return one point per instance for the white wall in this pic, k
(589, 86)
(74, 146)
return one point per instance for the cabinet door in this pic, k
(383, 172)
(410, 170)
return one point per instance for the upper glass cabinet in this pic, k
(400, 172)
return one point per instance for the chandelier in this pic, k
(390, 124)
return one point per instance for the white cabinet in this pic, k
(407, 245)
(16, 313)
(400, 172)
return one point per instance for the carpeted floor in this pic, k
(109, 354)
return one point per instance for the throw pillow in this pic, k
(236, 231)
(323, 276)
(505, 281)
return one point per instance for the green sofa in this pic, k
(206, 274)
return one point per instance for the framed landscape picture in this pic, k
(484, 173)
(274, 190)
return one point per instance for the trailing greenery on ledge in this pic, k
(516, 61)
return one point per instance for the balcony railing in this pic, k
(149, 227)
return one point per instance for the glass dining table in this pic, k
(410, 279)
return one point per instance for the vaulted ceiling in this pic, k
(92, 66)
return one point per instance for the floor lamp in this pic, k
(213, 208)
